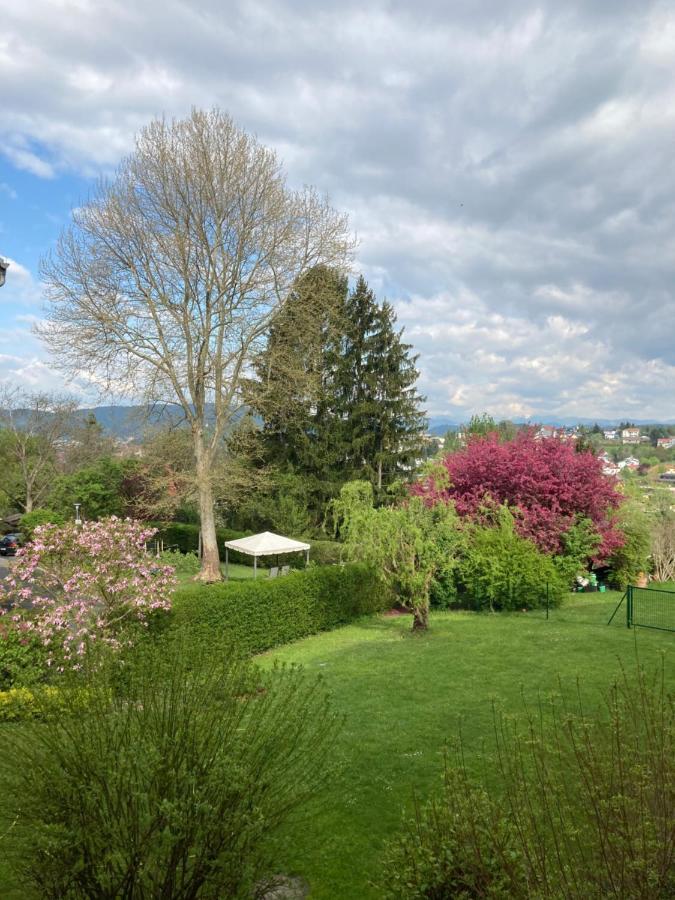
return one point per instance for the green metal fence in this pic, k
(650, 608)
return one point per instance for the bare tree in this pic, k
(37, 425)
(663, 548)
(169, 277)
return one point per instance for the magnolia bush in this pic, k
(78, 584)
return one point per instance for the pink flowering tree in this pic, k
(76, 584)
(546, 483)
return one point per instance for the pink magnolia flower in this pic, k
(82, 583)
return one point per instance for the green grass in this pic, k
(238, 572)
(405, 696)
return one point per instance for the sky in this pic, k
(507, 168)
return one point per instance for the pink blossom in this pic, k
(86, 583)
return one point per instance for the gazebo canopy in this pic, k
(267, 544)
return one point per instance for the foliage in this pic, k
(171, 781)
(584, 807)
(88, 583)
(409, 547)
(257, 615)
(579, 545)
(21, 703)
(545, 482)
(30, 521)
(501, 570)
(335, 389)
(461, 845)
(23, 657)
(98, 488)
(181, 563)
(632, 557)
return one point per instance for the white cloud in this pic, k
(507, 167)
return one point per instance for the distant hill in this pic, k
(440, 424)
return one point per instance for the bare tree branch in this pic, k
(169, 277)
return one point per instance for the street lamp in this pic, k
(78, 520)
(4, 265)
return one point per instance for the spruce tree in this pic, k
(335, 389)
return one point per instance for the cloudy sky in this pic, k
(507, 166)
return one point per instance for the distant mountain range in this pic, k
(130, 422)
(440, 424)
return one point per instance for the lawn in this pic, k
(405, 696)
(238, 572)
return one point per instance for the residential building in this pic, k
(611, 434)
(630, 436)
(666, 443)
(630, 462)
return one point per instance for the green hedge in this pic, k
(186, 539)
(268, 612)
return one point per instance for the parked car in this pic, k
(10, 544)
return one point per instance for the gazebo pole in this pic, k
(227, 564)
(306, 558)
(255, 566)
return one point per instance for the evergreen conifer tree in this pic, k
(336, 389)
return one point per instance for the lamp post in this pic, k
(78, 520)
(4, 265)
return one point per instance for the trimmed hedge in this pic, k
(186, 538)
(259, 615)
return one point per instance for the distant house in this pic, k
(610, 468)
(630, 462)
(611, 434)
(666, 443)
(546, 431)
(630, 436)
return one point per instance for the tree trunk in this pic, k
(210, 570)
(379, 475)
(420, 617)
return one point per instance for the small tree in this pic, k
(408, 546)
(87, 583)
(548, 486)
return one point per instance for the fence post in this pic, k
(547, 599)
(629, 606)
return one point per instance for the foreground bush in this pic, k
(257, 615)
(461, 845)
(170, 781)
(580, 806)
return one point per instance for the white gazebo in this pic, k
(264, 544)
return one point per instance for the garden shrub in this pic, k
(86, 582)
(459, 845)
(171, 782)
(628, 561)
(19, 703)
(182, 563)
(500, 570)
(574, 804)
(264, 613)
(23, 656)
(30, 521)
